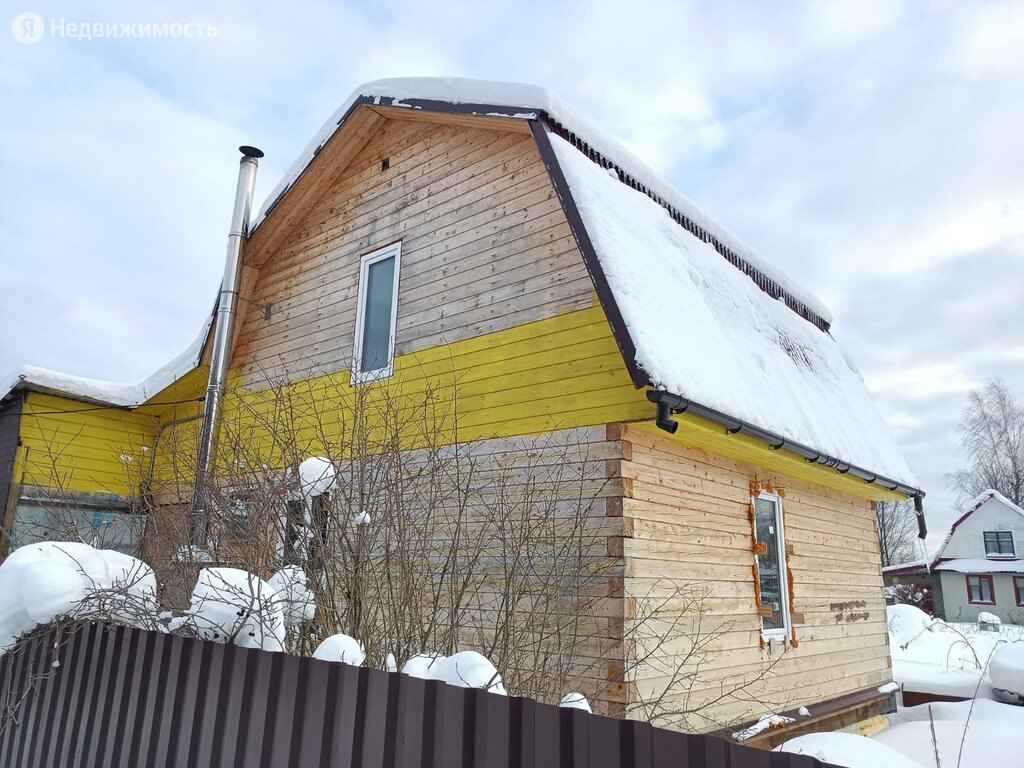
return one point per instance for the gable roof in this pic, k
(965, 565)
(696, 313)
(973, 506)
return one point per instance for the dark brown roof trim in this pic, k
(763, 281)
(425, 105)
(579, 231)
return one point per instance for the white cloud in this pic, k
(869, 148)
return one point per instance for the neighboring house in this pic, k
(485, 237)
(980, 565)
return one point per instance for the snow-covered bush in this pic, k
(341, 648)
(44, 581)
(466, 669)
(575, 701)
(297, 601)
(233, 606)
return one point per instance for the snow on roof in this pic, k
(981, 565)
(973, 506)
(525, 101)
(912, 565)
(703, 330)
(108, 392)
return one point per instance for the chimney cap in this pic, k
(250, 151)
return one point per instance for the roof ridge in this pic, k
(762, 280)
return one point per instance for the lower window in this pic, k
(1018, 590)
(980, 590)
(773, 582)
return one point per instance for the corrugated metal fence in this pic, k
(105, 696)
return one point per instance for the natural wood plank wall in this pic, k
(686, 517)
(485, 247)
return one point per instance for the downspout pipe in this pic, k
(668, 404)
(220, 359)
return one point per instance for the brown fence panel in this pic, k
(96, 695)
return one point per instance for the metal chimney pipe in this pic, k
(227, 310)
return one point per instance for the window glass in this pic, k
(979, 589)
(770, 565)
(999, 543)
(375, 350)
(1018, 590)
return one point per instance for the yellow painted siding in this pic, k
(76, 446)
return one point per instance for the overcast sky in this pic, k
(873, 150)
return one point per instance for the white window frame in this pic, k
(1012, 554)
(359, 376)
(786, 630)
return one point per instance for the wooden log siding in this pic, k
(686, 512)
(485, 247)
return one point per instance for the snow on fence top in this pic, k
(527, 101)
(703, 330)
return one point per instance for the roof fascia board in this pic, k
(627, 348)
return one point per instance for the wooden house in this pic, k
(485, 235)
(978, 568)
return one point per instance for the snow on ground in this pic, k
(41, 582)
(847, 749)
(1006, 668)
(933, 656)
(991, 734)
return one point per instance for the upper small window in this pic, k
(999, 544)
(771, 565)
(376, 314)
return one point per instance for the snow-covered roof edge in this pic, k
(108, 392)
(973, 506)
(524, 101)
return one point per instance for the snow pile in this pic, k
(933, 656)
(1006, 668)
(984, 617)
(466, 669)
(341, 648)
(705, 331)
(575, 700)
(906, 622)
(766, 722)
(233, 606)
(40, 582)
(847, 749)
(297, 602)
(991, 734)
(316, 477)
